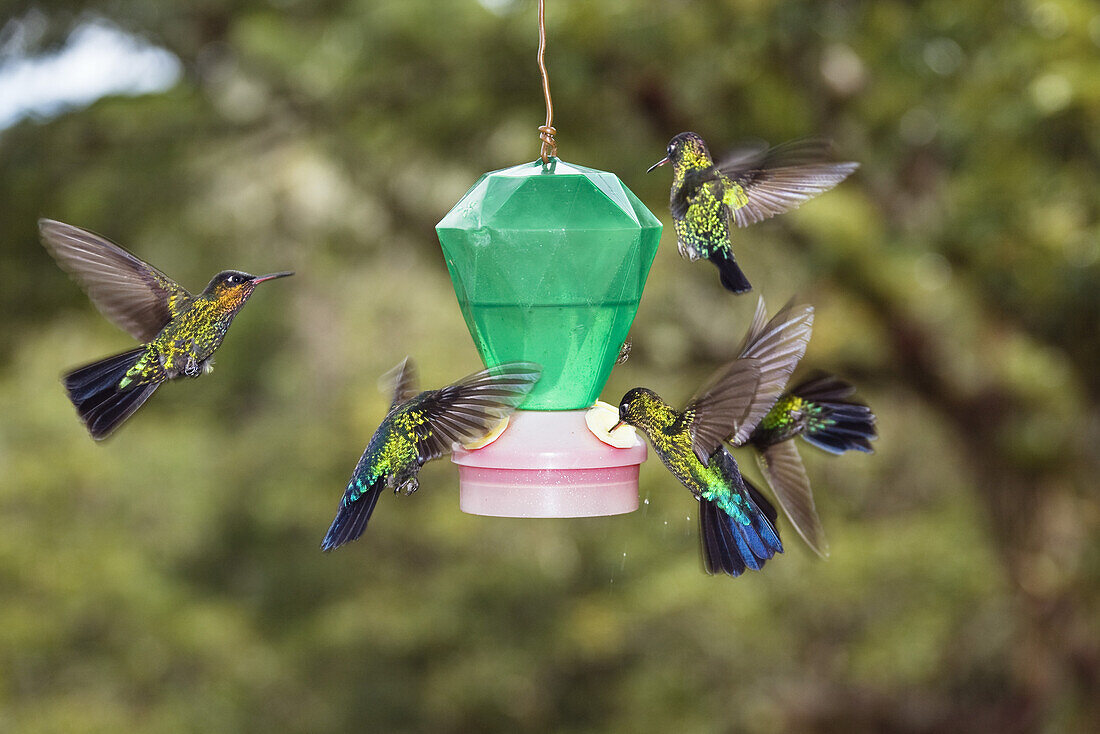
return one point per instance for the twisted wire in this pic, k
(547, 132)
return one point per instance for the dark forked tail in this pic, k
(835, 422)
(352, 516)
(733, 278)
(94, 390)
(730, 547)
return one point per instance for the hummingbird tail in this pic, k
(730, 547)
(729, 271)
(835, 423)
(94, 390)
(351, 518)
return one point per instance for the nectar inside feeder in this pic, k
(548, 262)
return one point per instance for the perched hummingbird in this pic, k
(736, 524)
(749, 187)
(421, 427)
(179, 332)
(819, 410)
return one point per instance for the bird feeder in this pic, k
(548, 262)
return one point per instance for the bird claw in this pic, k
(408, 486)
(194, 368)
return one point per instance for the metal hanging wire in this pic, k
(546, 132)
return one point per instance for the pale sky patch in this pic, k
(98, 60)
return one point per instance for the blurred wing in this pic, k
(471, 407)
(782, 467)
(401, 381)
(824, 387)
(779, 179)
(756, 326)
(722, 405)
(131, 293)
(777, 347)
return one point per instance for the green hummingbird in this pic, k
(423, 426)
(736, 523)
(819, 410)
(750, 186)
(179, 331)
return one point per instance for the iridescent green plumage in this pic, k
(736, 523)
(785, 420)
(821, 411)
(180, 331)
(748, 187)
(669, 431)
(423, 426)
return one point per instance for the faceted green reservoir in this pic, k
(548, 264)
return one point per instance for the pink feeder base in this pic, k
(548, 464)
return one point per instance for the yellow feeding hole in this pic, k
(601, 417)
(489, 437)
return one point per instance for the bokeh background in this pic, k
(170, 580)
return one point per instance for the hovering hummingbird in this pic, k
(736, 523)
(820, 411)
(749, 187)
(423, 426)
(179, 332)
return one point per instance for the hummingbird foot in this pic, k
(686, 251)
(192, 368)
(409, 486)
(195, 368)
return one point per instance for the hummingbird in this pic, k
(423, 426)
(179, 332)
(819, 410)
(752, 185)
(736, 523)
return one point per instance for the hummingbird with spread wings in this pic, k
(820, 410)
(421, 426)
(179, 332)
(750, 186)
(737, 528)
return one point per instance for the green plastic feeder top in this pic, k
(548, 264)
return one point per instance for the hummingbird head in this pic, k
(639, 407)
(232, 287)
(686, 149)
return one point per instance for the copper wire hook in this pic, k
(546, 132)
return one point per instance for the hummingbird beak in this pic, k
(614, 427)
(658, 164)
(273, 276)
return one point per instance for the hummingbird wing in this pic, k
(130, 292)
(756, 326)
(777, 346)
(401, 381)
(782, 467)
(468, 409)
(776, 180)
(722, 405)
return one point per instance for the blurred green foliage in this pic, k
(170, 580)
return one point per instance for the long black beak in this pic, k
(658, 164)
(612, 429)
(273, 276)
